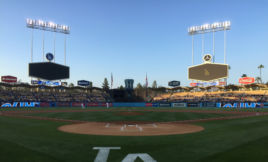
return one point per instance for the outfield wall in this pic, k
(137, 104)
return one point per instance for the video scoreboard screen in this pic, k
(48, 71)
(208, 72)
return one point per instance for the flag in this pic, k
(112, 80)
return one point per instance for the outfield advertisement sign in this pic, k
(179, 104)
(63, 104)
(240, 105)
(21, 104)
(265, 105)
(164, 104)
(193, 104)
(209, 104)
(152, 104)
(129, 104)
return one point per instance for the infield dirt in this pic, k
(121, 129)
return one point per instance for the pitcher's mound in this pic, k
(121, 129)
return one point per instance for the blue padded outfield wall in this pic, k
(137, 104)
(128, 104)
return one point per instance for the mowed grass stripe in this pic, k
(117, 116)
(10, 152)
(247, 152)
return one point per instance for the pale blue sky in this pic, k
(132, 37)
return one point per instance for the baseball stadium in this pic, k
(206, 107)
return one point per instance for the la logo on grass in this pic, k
(103, 154)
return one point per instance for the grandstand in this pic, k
(217, 96)
(27, 93)
(61, 94)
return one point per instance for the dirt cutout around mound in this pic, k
(121, 129)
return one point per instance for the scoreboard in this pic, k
(208, 72)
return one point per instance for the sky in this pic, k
(130, 38)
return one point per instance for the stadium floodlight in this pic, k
(205, 28)
(49, 26)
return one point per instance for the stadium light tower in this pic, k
(48, 26)
(207, 28)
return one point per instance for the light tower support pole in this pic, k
(192, 49)
(65, 49)
(213, 33)
(32, 47)
(224, 46)
(54, 46)
(203, 43)
(43, 45)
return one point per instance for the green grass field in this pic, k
(244, 139)
(107, 116)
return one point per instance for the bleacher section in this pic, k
(8, 95)
(228, 96)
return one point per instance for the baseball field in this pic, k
(133, 134)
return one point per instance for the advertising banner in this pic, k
(240, 105)
(209, 104)
(149, 104)
(9, 79)
(192, 104)
(52, 104)
(48, 83)
(83, 83)
(164, 104)
(92, 104)
(155, 105)
(63, 104)
(21, 104)
(174, 83)
(246, 80)
(44, 104)
(102, 105)
(178, 104)
(77, 104)
(265, 105)
(64, 84)
(34, 82)
(129, 104)
(208, 84)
